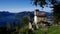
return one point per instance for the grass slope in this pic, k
(52, 30)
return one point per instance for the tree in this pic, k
(56, 12)
(8, 25)
(25, 20)
(3, 30)
(42, 3)
(16, 26)
(56, 7)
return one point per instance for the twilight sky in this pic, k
(19, 5)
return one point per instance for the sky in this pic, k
(19, 6)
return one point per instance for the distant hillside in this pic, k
(7, 16)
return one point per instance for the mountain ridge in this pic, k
(7, 16)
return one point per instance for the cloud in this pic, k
(15, 10)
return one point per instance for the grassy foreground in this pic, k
(52, 30)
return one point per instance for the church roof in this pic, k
(41, 14)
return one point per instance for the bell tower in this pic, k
(35, 18)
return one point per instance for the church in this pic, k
(39, 17)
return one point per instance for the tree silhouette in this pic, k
(24, 20)
(56, 12)
(42, 3)
(3, 30)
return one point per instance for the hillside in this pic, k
(12, 17)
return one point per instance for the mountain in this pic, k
(5, 17)
(23, 14)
